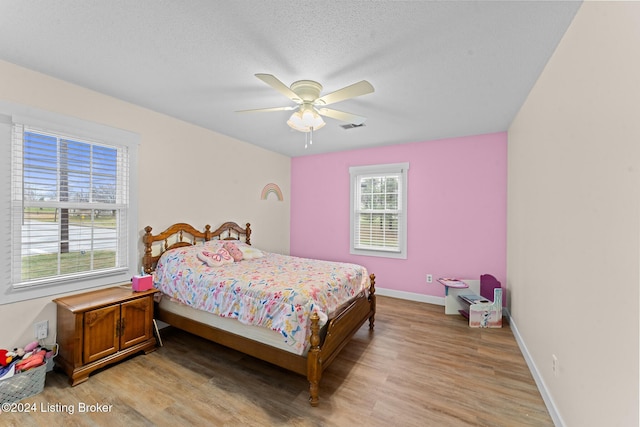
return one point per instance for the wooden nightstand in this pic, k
(101, 327)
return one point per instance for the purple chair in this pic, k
(487, 315)
(487, 284)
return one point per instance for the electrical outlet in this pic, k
(555, 365)
(429, 278)
(42, 329)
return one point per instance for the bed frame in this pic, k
(326, 342)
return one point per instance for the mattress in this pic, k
(276, 292)
(255, 333)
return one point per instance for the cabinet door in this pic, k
(137, 321)
(101, 333)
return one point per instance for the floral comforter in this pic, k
(275, 291)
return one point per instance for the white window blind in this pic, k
(68, 203)
(70, 207)
(378, 214)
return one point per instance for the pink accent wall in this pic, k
(456, 210)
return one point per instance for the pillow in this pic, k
(251, 253)
(215, 259)
(233, 250)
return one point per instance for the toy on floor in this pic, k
(22, 359)
(486, 310)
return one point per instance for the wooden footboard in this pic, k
(340, 329)
(286, 360)
(325, 344)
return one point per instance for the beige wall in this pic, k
(187, 174)
(574, 219)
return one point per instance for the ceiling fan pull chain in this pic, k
(311, 136)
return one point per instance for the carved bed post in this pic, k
(372, 300)
(207, 233)
(314, 368)
(147, 240)
(248, 235)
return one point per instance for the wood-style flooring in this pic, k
(418, 367)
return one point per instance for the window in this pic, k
(72, 204)
(379, 210)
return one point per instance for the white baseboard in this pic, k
(542, 387)
(411, 296)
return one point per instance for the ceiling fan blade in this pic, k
(342, 116)
(279, 86)
(357, 89)
(264, 110)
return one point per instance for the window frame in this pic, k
(356, 174)
(55, 123)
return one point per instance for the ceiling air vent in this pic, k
(351, 126)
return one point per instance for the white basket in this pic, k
(23, 384)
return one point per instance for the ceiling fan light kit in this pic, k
(304, 120)
(306, 93)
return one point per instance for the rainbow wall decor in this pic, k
(271, 188)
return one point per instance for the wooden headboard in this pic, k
(182, 234)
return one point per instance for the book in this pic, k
(453, 283)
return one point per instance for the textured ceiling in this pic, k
(440, 69)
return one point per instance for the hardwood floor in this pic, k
(417, 368)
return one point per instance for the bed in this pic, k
(304, 339)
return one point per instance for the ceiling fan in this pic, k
(310, 105)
